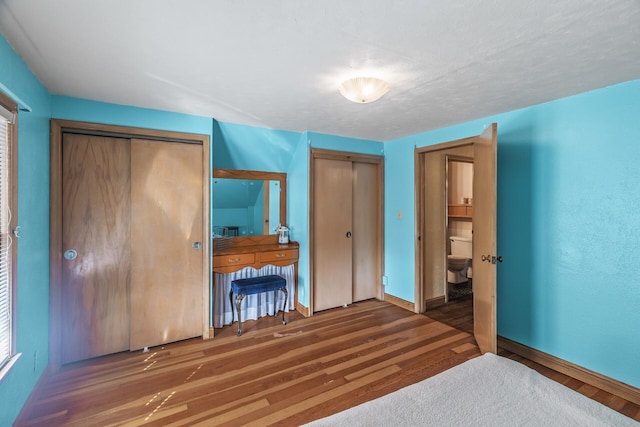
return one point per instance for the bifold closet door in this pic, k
(332, 231)
(166, 242)
(95, 242)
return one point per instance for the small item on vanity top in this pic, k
(470, 201)
(283, 234)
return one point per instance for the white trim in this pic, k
(8, 115)
(22, 106)
(7, 366)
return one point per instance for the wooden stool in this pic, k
(257, 285)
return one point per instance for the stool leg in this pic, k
(275, 303)
(284, 304)
(239, 299)
(233, 317)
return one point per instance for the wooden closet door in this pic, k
(332, 247)
(166, 229)
(366, 230)
(94, 314)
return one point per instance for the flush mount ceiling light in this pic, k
(363, 90)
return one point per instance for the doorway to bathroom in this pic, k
(459, 239)
(433, 244)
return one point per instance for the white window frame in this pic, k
(8, 224)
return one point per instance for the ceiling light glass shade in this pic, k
(363, 89)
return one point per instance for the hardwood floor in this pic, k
(272, 374)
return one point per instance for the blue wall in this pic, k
(342, 143)
(568, 227)
(298, 211)
(567, 215)
(253, 148)
(17, 81)
(32, 321)
(64, 107)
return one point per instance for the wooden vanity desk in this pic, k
(234, 254)
(231, 254)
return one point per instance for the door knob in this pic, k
(348, 234)
(491, 259)
(197, 245)
(70, 254)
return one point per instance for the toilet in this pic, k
(459, 262)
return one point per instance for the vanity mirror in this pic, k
(248, 203)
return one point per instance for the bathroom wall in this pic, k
(459, 227)
(460, 181)
(567, 225)
(459, 187)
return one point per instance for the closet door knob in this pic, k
(70, 254)
(348, 234)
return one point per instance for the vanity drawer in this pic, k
(235, 259)
(282, 255)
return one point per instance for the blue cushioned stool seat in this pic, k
(257, 285)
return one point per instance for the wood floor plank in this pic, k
(273, 374)
(322, 396)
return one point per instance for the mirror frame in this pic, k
(259, 176)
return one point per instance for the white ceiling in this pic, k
(278, 63)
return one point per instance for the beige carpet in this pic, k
(486, 391)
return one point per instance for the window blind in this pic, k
(6, 350)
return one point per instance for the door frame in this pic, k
(58, 127)
(484, 297)
(352, 157)
(420, 188)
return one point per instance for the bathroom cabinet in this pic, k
(460, 211)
